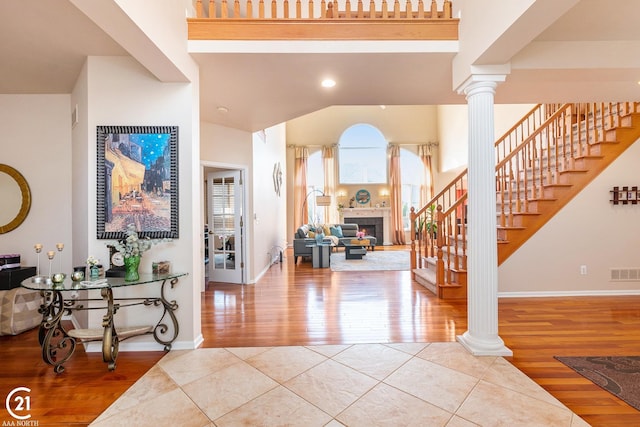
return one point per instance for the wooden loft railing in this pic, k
(542, 163)
(323, 20)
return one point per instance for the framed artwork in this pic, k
(137, 181)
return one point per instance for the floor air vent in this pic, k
(625, 274)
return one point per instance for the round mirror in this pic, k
(15, 196)
(363, 196)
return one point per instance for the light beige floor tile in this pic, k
(328, 350)
(197, 364)
(284, 363)
(436, 384)
(278, 407)
(504, 374)
(412, 348)
(387, 406)
(228, 389)
(576, 421)
(152, 384)
(245, 353)
(456, 421)
(334, 423)
(331, 386)
(454, 356)
(375, 360)
(173, 408)
(511, 409)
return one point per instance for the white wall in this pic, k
(588, 231)
(269, 215)
(265, 221)
(35, 141)
(121, 92)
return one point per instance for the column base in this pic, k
(479, 347)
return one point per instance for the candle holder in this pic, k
(50, 255)
(38, 278)
(60, 247)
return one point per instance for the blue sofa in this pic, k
(302, 239)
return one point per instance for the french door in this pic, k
(226, 226)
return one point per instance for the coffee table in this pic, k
(354, 251)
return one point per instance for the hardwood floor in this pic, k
(299, 305)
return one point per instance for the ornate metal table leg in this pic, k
(110, 342)
(57, 346)
(169, 308)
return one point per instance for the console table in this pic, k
(58, 344)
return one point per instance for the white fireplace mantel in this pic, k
(384, 213)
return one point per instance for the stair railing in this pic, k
(550, 140)
(425, 244)
(571, 133)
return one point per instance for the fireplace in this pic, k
(373, 225)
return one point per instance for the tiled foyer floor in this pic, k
(417, 384)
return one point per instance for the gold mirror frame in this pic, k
(26, 199)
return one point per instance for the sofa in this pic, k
(338, 235)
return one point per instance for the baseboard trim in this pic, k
(545, 294)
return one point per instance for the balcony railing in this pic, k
(323, 20)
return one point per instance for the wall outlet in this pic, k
(583, 270)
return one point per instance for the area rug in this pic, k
(372, 261)
(618, 375)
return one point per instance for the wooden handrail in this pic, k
(550, 140)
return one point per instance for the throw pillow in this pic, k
(337, 231)
(326, 230)
(311, 234)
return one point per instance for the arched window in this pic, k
(411, 175)
(362, 156)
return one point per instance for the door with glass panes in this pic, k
(225, 226)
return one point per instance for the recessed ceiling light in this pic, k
(328, 83)
(383, 107)
(222, 109)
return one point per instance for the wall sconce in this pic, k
(384, 193)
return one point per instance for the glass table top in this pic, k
(44, 283)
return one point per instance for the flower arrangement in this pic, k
(133, 245)
(91, 261)
(360, 234)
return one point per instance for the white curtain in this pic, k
(300, 185)
(426, 186)
(397, 228)
(329, 166)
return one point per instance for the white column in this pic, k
(481, 338)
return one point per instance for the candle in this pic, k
(59, 246)
(38, 247)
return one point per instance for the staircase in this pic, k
(543, 161)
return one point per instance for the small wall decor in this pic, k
(277, 178)
(137, 173)
(625, 195)
(363, 197)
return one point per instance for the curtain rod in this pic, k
(428, 144)
(311, 146)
